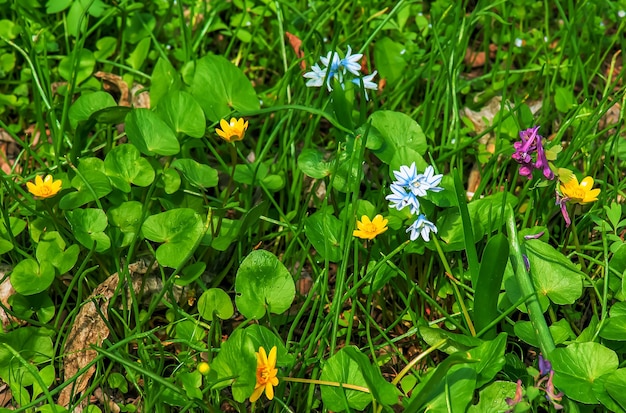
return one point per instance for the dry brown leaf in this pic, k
(296, 43)
(5, 395)
(115, 85)
(89, 328)
(6, 291)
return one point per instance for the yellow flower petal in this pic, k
(44, 188)
(369, 229)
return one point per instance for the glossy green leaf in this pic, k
(323, 230)
(25, 306)
(88, 104)
(489, 283)
(263, 284)
(235, 365)
(560, 331)
(614, 328)
(17, 226)
(33, 344)
(106, 47)
(390, 60)
(221, 87)
(489, 358)
(179, 230)
(553, 274)
(84, 69)
(578, 365)
(215, 301)
(137, 57)
(182, 113)
(190, 331)
(190, 273)
(164, 80)
(341, 368)
(266, 338)
(197, 174)
(311, 162)
(492, 398)
(395, 130)
(88, 226)
(382, 391)
(150, 134)
(29, 277)
(51, 248)
(126, 218)
(91, 184)
(125, 166)
(615, 385)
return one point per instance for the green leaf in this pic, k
(264, 337)
(220, 87)
(553, 274)
(577, 367)
(382, 391)
(137, 57)
(614, 328)
(492, 266)
(235, 364)
(106, 47)
(30, 278)
(311, 162)
(263, 284)
(490, 357)
(17, 226)
(51, 248)
(323, 229)
(615, 385)
(179, 229)
(88, 226)
(164, 79)
(124, 166)
(395, 130)
(182, 113)
(40, 303)
(126, 218)
(150, 134)
(190, 273)
(84, 69)
(88, 104)
(91, 184)
(171, 180)
(492, 399)
(197, 174)
(33, 344)
(454, 342)
(563, 99)
(190, 331)
(560, 331)
(215, 301)
(389, 58)
(341, 368)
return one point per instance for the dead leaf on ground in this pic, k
(296, 43)
(89, 328)
(117, 86)
(6, 291)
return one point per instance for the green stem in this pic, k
(537, 320)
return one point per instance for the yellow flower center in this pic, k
(45, 190)
(371, 227)
(263, 375)
(578, 194)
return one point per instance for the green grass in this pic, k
(310, 165)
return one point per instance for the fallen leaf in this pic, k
(296, 43)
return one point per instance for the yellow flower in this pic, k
(233, 131)
(203, 368)
(579, 193)
(265, 374)
(370, 229)
(44, 188)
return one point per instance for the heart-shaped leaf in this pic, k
(88, 226)
(236, 364)
(396, 130)
(340, 368)
(182, 113)
(221, 87)
(215, 301)
(51, 248)
(28, 277)
(263, 284)
(180, 230)
(124, 166)
(202, 176)
(91, 184)
(322, 230)
(88, 104)
(150, 134)
(126, 218)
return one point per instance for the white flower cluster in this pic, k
(405, 191)
(332, 67)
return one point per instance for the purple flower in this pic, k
(562, 203)
(529, 145)
(550, 395)
(518, 396)
(544, 366)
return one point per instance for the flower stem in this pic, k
(328, 383)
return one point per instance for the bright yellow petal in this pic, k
(269, 391)
(592, 195)
(31, 187)
(587, 183)
(256, 394)
(38, 181)
(262, 356)
(48, 179)
(360, 234)
(225, 125)
(56, 186)
(271, 360)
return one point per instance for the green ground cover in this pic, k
(295, 206)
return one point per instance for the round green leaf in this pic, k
(179, 229)
(322, 230)
(150, 134)
(91, 184)
(577, 367)
(86, 64)
(51, 248)
(396, 130)
(311, 162)
(614, 328)
(124, 166)
(202, 176)
(29, 278)
(553, 274)
(390, 60)
(25, 305)
(189, 331)
(215, 301)
(88, 226)
(264, 337)
(190, 273)
(33, 345)
(221, 87)
(340, 368)
(182, 113)
(126, 218)
(235, 365)
(615, 385)
(171, 180)
(88, 104)
(263, 283)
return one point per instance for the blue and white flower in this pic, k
(351, 62)
(422, 227)
(427, 181)
(332, 66)
(316, 76)
(401, 198)
(406, 175)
